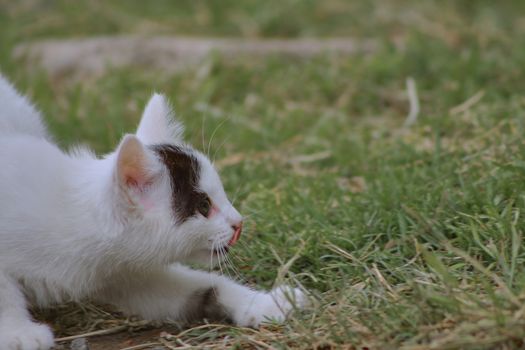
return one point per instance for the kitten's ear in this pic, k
(133, 168)
(158, 124)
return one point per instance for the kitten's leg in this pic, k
(17, 330)
(183, 293)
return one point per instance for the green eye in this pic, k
(204, 206)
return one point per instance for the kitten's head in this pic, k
(172, 191)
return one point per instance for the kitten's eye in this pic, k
(204, 206)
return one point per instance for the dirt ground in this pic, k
(124, 339)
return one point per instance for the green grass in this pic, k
(406, 237)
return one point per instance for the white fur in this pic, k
(17, 115)
(72, 228)
(158, 124)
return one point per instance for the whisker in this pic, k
(245, 247)
(219, 262)
(227, 138)
(251, 210)
(249, 216)
(222, 252)
(232, 267)
(202, 131)
(236, 194)
(214, 132)
(228, 262)
(235, 270)
(211, 255)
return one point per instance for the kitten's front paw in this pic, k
(272, 306)
(25, 335)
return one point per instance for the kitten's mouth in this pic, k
(221, 251)
(236, 234)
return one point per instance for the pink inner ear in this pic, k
(135, 177)
(130, 182)
(133, 171)
(139, 184)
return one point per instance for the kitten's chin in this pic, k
(205, 257)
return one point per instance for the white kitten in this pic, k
(115, 229)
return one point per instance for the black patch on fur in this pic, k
(184, 172)
(204, 304)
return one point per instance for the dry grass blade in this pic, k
(142, 346)
(467, 104)
(285, 267)
(413, 101)
(384, 282)
(340, 251)
(107, 331)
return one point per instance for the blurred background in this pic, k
(451, 46)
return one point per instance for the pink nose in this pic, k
(236, 233)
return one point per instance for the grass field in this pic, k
(407, 237)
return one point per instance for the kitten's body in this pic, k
(73, 226)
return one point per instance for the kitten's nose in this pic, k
(237, 228)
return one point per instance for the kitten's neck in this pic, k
(107, 219)
(93, 196)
